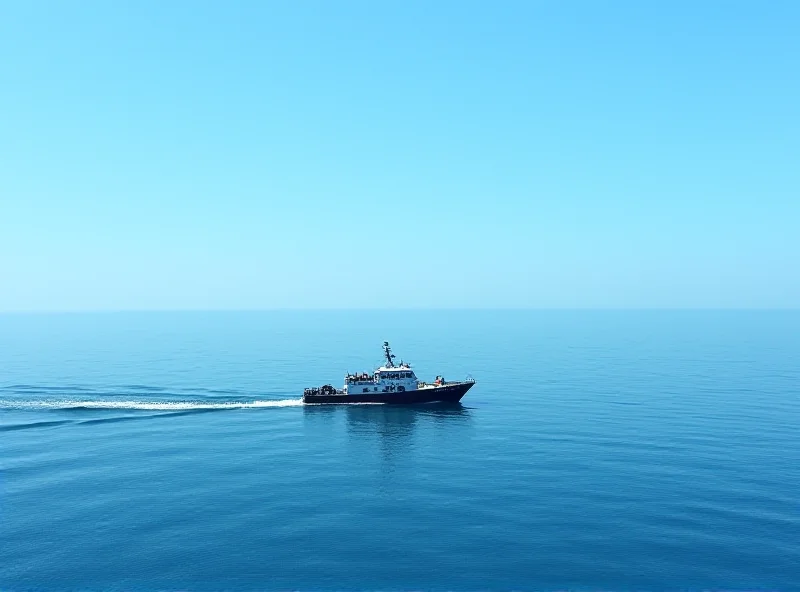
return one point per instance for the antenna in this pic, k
(389, 355)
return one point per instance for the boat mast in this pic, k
(389, 355)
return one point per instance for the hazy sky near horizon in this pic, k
(241, 155)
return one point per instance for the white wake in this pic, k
(146, 405)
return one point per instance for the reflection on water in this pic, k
(391, 420)
(400, 432)
(392, 426)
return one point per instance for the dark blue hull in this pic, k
(447, 393)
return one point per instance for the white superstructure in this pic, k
(389, 378)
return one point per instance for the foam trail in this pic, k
(146, 405)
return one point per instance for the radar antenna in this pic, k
(389, 355)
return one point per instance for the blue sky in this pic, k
(248, 155)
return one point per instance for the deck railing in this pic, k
(423, 383)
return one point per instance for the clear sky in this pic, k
(270, 154)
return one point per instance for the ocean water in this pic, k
(597, 451)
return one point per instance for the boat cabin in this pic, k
(386, 379)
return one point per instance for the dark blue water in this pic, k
(598, 450)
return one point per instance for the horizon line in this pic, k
(407, 309)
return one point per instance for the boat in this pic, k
(389, 383)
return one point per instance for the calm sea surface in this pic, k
(598, 450)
